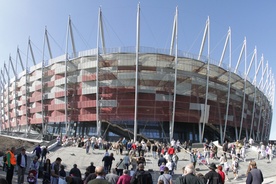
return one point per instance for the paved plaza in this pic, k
(74, 155)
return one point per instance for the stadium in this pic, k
(138, 93)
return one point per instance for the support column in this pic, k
(221, 134)
(199, 132)
(236, 132)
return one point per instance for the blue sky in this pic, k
(252, 19)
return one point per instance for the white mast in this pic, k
(98, 121)
(136, 70)
(206, 109)
(175, 29)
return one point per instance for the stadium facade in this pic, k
(131, 91)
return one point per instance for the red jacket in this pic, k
(171, 151)
(221, 173)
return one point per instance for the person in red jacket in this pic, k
(221, 173)
(171, 151)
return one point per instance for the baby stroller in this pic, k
(31, 179)
(201, 160)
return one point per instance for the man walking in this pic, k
(44, 153)
(11, 162)
(37, 151)
(100, 176)
(212, 176)
(188, 176)
(55, 171)
(255, 175)
(21, 162)
(141, 176)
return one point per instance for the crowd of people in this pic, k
(130, 167)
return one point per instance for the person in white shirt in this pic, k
(226, 168)
(170, 166)
(269, 154)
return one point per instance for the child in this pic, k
(162, 167)
(31, 178)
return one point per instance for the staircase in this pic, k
(217, 131)
(123, 132)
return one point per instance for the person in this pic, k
(37, 151)
(111, 161)
(107, 162)
(3, 181)
(171, 151)
(55, 170)
(75, 171)
(133, 162)
(112, 177)
(93, 142)
(21, 161)
(212, 176)
(255, 175)
(166, 177)
(175, 159)
(73, 180)
(47, 171)
(141, 176)
(221, 173)
(141, 160)
(193, 157)
(154, 150)
(120, 167)
(170, 166)
(87, 145)
(90, 177)
(190, 144)
(126, 161)
(5, 159)
(235, 166)
(161, 160)
(188, 176)
(225, 147)
(31, 178)
(215, 151)
(34, 166)
(162, 168)
(100, 176)
(125, 178)
(91, 168)
(62, 172)
(44, 153)
(226, 168)
(100, 143)
(206, 149)
(86, 173)
(58, 139)
(11, 162)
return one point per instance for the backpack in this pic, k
(236, 164)
(5, 158)
(176, 158)
(143, 178)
